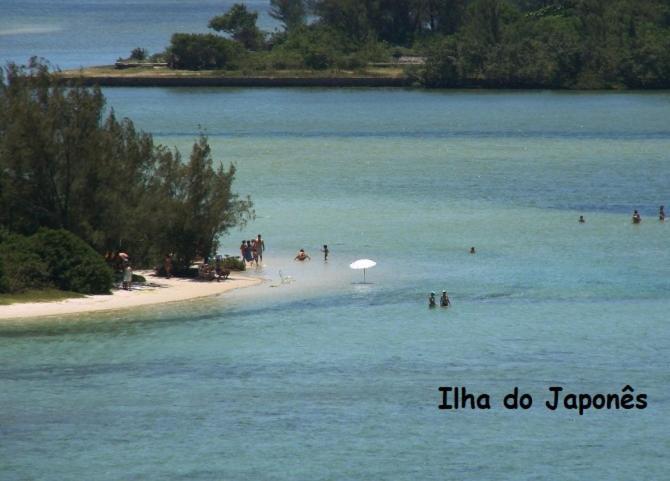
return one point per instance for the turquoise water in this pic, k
(326, 378)
(74, 33)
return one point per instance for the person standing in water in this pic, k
(661, 213)
(636, 217)
(444, 300)
(260, 247)
(325, 252)
(582, 220)
(247, 254)
(472, 250)
(243, 246)
(431, 300)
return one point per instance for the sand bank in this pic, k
(157, 290)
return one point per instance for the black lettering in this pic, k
(445, 395)
(484, 401)
(613, 399)
(467, 397)
(599, 401)
(526, 401)
(554, 406)
(641, 401)
(511, 400)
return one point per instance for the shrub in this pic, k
(233, 263)
(138, 54)
(72, 264)
(193, 51)
(23, 267)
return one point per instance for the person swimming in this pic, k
(636, 217)
(431, 300)
(581, 219)
(302, 256)
(444, 300)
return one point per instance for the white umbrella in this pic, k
(363, 264)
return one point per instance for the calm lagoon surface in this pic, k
(327, 378)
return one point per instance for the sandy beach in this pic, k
(158, 290)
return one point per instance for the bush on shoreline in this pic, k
(52, 259)
(233, 263)
(195, 51)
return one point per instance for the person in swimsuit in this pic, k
(248, 256)
(472, 250)
(661, 213)
(260, 247)
(302, 256)
(581, 219)
(325, 252)
(636, 217)
(254, 252)
(444, 300)
(431, 300)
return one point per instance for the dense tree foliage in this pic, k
(64, 164)
(241, 25)
(291, 13)
(517, 43)
(194, 51)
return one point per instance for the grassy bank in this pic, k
(108, 76)
(162, 72)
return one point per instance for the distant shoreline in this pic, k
(107, 76)
(184, 81)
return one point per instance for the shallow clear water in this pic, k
(327, 378)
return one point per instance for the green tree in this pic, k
(139, 54)
(197, 51)
(65, 166)
(241, 25)
(291, 13)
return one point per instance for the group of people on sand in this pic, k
(444, 300)
(303, 256)
(251, 251)
(637, 218)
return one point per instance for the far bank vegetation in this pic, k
(443, 43)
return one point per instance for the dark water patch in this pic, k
(429, 134)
